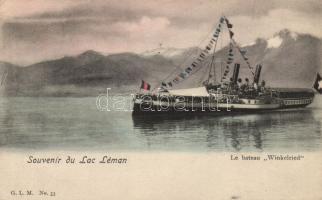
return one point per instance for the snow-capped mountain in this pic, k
(165, 52)
(289, 60)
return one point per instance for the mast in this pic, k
(210, 50)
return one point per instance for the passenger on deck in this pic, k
(263, 83)
(239, 83)
(262, 86)
(231, 84)
(245, 86)
(247, 82)
(255, 86)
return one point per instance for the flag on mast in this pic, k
(318, 83)
(145, 85)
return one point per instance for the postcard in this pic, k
(168, 99)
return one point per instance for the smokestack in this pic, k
(257, 73)
(236, 72)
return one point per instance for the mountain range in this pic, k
(289, 60)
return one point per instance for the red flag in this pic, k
(145, 85)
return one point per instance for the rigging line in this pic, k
(205, 74)
(192, 73)
(213, 58)
(212, 61)
(189, 55)
(238, 48)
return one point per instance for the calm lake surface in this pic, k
(77, 124)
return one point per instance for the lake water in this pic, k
(77, 124)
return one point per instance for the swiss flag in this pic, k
(145, 85)
(318, 83)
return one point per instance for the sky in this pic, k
(36, 30)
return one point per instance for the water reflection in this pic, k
(75, 123)
(242, 132)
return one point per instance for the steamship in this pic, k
(227, 94)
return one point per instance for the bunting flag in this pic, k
(231, 34)
(145, 85)
(183, 75)
(229, 25)
(242, 51)
(186, 72)
(176, 79)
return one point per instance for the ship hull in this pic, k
(153, 108)
(276, 99)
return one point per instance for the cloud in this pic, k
(145, 25)
(249, 28)
(41, 29)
